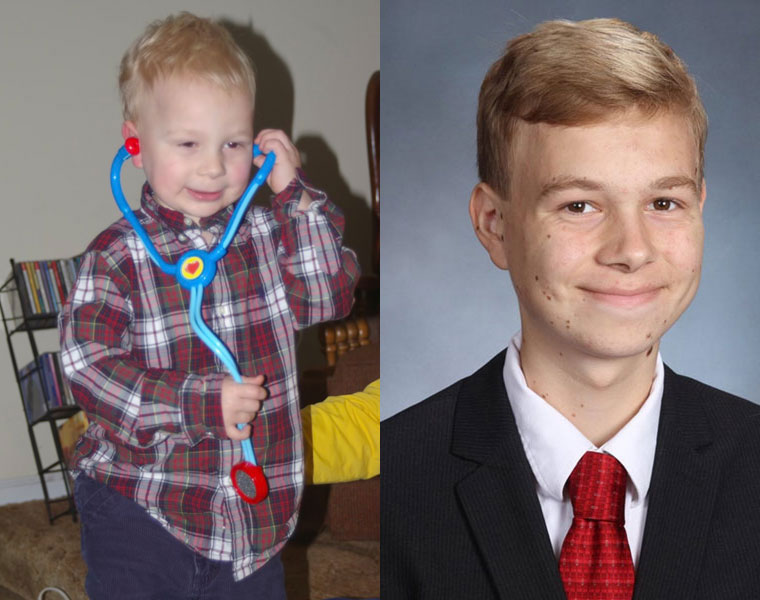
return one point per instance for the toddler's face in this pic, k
(195, 144)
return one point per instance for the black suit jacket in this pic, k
(461, 518)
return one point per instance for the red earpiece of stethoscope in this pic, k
(132, 145)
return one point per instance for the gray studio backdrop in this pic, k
(445, 308)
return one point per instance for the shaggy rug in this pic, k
(35, 555)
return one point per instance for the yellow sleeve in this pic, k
(342, 437)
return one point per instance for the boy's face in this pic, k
(195, 144)
(602, 233)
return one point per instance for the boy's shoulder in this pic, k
(726, 413)
(112, 251)
(113, 238)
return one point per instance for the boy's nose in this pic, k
(212, 164)
(627, 243)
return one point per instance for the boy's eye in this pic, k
(664, 204)
(235, 145)
(578, 207)
(187, 144)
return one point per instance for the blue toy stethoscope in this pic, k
(194, 271)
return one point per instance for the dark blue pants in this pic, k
(129, 555)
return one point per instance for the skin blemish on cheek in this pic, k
(548, 236)
(649, 335)
(536, 277)
(573, 415)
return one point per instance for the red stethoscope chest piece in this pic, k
(249, 481)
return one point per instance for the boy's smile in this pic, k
(602, 233)
(195, 144)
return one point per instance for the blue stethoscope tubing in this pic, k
(196, 286)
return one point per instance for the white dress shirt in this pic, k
(554, 446)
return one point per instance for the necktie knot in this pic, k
(597, 488)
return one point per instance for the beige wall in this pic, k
(61, 121)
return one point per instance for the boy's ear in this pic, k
(486, 213)
(128, 130)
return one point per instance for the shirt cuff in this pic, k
(201, 402)
(285, 204)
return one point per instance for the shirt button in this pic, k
(182, 237)
(223, 311)
(188, 221)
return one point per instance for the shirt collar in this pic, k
(554, 446)
(176, 220)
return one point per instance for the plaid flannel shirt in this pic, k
(152, 390)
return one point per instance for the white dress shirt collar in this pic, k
(554, 446)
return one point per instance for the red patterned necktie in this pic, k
(595, 562)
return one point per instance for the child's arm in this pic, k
(319, 273)
(139, 406)
(342, 437)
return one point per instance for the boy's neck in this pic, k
(597, 395)
(208, 237)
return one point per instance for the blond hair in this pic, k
(183, 45)
(576, 73)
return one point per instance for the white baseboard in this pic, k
(23, 489)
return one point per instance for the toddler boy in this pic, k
(159, 513)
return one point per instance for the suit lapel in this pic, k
(682, 493)
(498, 498)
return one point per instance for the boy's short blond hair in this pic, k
(577, 73)
(183, 45)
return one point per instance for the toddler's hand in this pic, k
(241, 403)
(288, 159)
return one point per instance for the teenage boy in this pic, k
(160, 517)
(575, 464)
